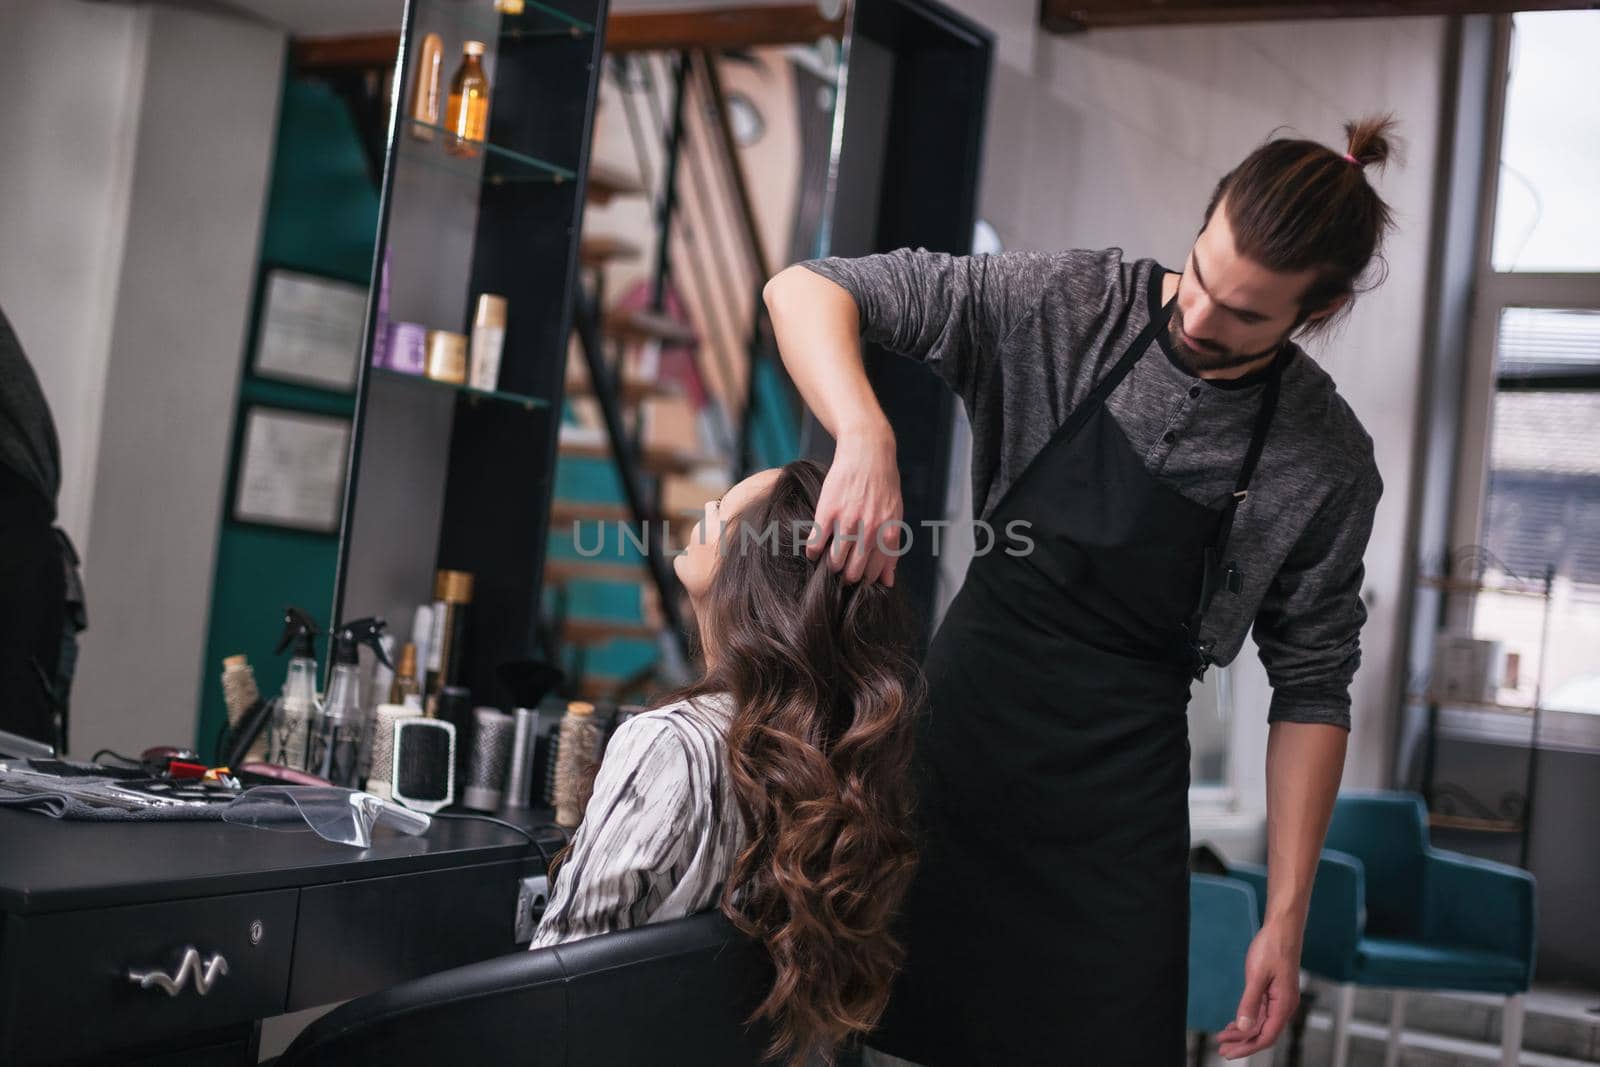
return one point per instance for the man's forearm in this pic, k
(1305, 762)
(817, 326)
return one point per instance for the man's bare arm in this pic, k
(1305, 762)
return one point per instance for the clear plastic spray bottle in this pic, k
(289, 730)
(336, 740)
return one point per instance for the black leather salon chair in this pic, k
(670, 993)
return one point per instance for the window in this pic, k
(1535, 387)
(1542, 502)
(1545, 217)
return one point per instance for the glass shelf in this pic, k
(501, 166)
(1453, 585)
(527, 403)
(536, 20)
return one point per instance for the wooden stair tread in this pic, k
(632, 390)
(587, 510)
(606, 182)
(584, 449)
(636, 323)
(605, 686)
(592, 631)
(566, 512)
(607, 569)
(597, 250)
(657, 460)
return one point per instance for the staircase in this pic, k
(673, 388)
(1561, 1029)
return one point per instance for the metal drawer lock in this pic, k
(204, 972)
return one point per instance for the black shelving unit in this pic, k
(445, 476)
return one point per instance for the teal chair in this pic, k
(1223, 918)
(1390, 911)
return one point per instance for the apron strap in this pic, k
(1252, 456)
(1104, 386)
(1089, 404)
(1212, 571)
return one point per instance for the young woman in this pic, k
(776, 786)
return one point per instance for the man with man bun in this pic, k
(1187, 474)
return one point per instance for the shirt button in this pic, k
(1169, 437)
(1194, 391)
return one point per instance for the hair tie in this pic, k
(1352, 159)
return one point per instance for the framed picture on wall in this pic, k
(310, 328)
(292, 469)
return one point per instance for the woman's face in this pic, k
(697, 563)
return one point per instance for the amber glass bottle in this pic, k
(468, 120)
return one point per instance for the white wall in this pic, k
(1116, 137)
(138, 146)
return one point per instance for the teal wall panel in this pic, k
(322, 218)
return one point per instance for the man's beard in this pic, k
(1211, 359)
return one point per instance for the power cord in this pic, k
(534, 841)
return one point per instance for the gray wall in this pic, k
(137, 172)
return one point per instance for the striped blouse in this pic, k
(661, 831)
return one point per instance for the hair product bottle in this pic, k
(452, 595)
(488, 337)
(468, 119)
(425, 86)
(405, 690)
(447, 357)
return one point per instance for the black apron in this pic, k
(1049, 919)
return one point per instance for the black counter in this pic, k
(297, 922)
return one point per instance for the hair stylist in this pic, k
(1186, 472)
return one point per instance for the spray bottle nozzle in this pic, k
(300, 630)
(360, 632)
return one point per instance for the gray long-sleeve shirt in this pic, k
(1021, 338)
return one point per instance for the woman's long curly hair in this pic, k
(824, 681)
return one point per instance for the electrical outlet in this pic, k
(533, 893)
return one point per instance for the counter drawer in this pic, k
(80, 983)
(353, 938)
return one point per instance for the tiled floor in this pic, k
(1562, 1029)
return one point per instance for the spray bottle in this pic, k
(336, 741)
(297, 708)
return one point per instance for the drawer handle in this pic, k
(205, 974)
